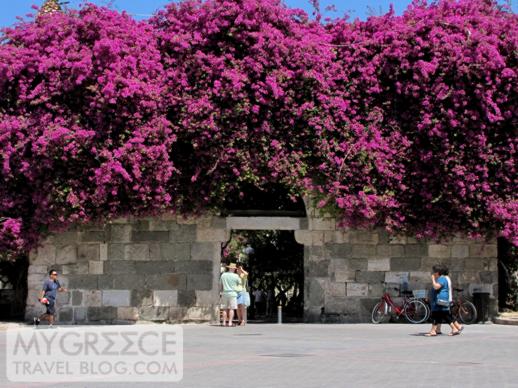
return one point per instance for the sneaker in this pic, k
(36, 321)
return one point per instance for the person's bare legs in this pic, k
(454, 330)
(432, 332)
(230, 317)
(225, 317)
(458, 326)
(239, 313)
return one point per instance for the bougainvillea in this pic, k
(407, 122)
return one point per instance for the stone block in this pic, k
(303, 237)
(154, 313)
(263, 223)
(141, 225)
(116, 267)
(186, 298)
(165, 298)
(405, 264)
(363, 251)
(63, 298)
(66, 254)
(199, 314)
(136, 252)
(141, 297)
(201, 267)
(88, 252)
(317, 269)
(322, 223)
(357, 264)
(103, 252)
(38, 269)
(154, 251)
(357, 289)
(65, 314)
(74, 269)
(95, 267)
(335, 304)
(378, 264)
(210, 234)
(420, 277)
(206, 298)
(314, 291)
(80, 314)
(35, 280)
(397, 240)
(129, 281)
(370, 276)
(115, 251)
(438, 250)
(172, 281)
(397, 250)
(92, 298)
(199, 282)
(105, 282)
(376, 289)
(177, 314)
(364, 237)
(118, 298)
(98, 236)
(154, 267)
(317, 238)
(383, 250)
(120, 233)
(416, 250)
(77, 297)
(483, 250)
(186, 233)
(176, 251)
(459, 250)
(334, 289)
(339, 251)
(488, 277)
(127, 313)
(84, 282)
(104, 313)
(205, 251)
(477, 264)
(396, 277)
(145, 236)
(159, 224)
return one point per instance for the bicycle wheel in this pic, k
(467, 312)
(415, 311)
(380, 313)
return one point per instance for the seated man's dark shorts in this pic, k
(51, 307)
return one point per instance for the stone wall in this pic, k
(167, 268)
(346, 272)
(148, 269)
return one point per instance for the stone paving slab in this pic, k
(359, 355)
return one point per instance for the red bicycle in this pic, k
(414, 310)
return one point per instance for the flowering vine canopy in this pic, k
(407, 122)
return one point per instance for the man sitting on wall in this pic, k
(229, 283)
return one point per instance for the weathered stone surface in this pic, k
(357, 289)
(63, 298)
(405, 264)
(205, 251)
(438, 250)
(80, 314)
(186, 233)
(370, 276)
(120, 233)
(154, 267)
(103, 252)
(144, 236)
(154, 313)
(119, 266)
(397, 250)
(199, 282)
(74, 269)
(85, 282)
(95, 267)
(129, 281)
(127, 313)
(215, 235)
(65, 314)
(303, 237)
(92, 298)
(315, 292)
(77, 297)
(88, 252)
(364, 237)
(115, 251)
(38, 269)
(396, 277)
(158, 224)
(322, 223)
(357, 264)
(66, 254)
(378, 264)
(263, 223)
(459, 250)
(172, 281)
(363, 251)
(141, 297)
(416, 250)
(45, 254)
(483, 250)
(376, 289)
(136, 252)
(206, 298)
(105, 313)
(175, 251)
(339, 251)
(165, 298)
(93, 236)
(334, 289)
(318, 269)
(202, 267)
(105, 282)
(116, 298)
(186, 298)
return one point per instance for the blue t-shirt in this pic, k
(442, 293)
(51, 288)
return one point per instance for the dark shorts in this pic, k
(441, 316)
(51, 307)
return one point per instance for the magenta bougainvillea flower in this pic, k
(406, 122)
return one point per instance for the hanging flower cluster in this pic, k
(407, 122)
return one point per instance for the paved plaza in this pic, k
(354, 355)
